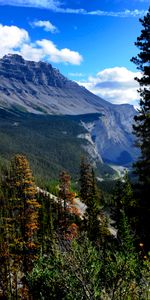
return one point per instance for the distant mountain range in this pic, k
(36, 88)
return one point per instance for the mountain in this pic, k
(38, 88)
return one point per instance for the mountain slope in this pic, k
(40, 89)
(51, 143)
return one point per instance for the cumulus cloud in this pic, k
(12, 37)
(16, 40)
(116, 85)
(66, 55)
(46, 25)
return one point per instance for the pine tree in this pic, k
(66, 199)
(95, 219)
(6, 236)
(85, 180)
(123, 197)
(64, 188)
(24, 208)
(142, 124)
(18, 226)
(93, 210)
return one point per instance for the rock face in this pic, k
(112, 134)
(39, 88)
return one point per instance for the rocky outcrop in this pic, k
(112, 135)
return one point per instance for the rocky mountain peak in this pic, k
(13, 58)
(13, 66)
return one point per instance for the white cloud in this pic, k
(116, 85)
(48, 4)
(31, 52)
(121, 14)
(47, 25)
(56, 5)
(76, 74)
(16, 40)
(53, 54)
(11, 38)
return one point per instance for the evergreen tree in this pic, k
(47, 217)
(24, 207)
(95, 220)
(64, 189)
(85, 180)
(93, 210)
(18, 225)
(142, 125)
(124, 234)
(123, 197)
(66, 205)
(6, 236)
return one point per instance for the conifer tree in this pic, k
(66, 197)
(85, 180)
(96, 223)
(18, 226)
(46, 223)
(6, 236)
(64, 188)
(142, 124)
(24, 208)
(93, 210)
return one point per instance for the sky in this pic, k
(89, 41)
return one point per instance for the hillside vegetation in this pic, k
(50, 142)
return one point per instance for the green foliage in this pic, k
(120, 276)
(83, 265)
(123, 201)
(46, 280)
(145, 279)
(84, 272)
(68, 275)
(124, 233)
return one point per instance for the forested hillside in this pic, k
(51, 143)
(49, 249)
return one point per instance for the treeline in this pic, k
(49, 249)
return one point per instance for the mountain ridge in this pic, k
(37, 87)
(28, 81)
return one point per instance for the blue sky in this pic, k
(90, 41)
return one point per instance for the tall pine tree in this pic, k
(25, 208)
(85, 180)
(142, 124)
(95, 219)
